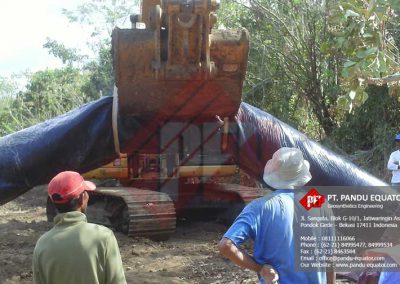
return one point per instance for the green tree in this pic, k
(300, 69)
(49, 93)
(367, 133)
(367, 34)
(7, 86)
(101, 74)
(8, 89)
(291, 71)
(68, 56)
(82, 79)
(101, 17)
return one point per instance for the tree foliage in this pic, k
(368, 133)
(305, 65)
(290, 71)
(49, 93)
(7, 86)
(102, 16)
(101, 79)
(367, 34)
(66, 55)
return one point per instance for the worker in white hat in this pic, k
(287, 169)
(268, 221)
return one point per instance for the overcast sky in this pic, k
(24, 26)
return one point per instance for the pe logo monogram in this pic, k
(312, 199)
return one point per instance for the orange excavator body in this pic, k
(175, 68)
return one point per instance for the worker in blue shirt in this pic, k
(268, 221)
(389, 277)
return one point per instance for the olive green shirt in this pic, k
(75, 251)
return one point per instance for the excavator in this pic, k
(172, 139)
(174, 66)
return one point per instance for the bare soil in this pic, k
(189, 256)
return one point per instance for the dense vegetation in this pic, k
(327, 67)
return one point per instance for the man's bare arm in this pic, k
(330, 277)
(228, 249)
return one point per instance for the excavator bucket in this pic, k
(174, 64)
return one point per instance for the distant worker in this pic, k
(388, 277)
(75, 251)
(268, 221)
(394, 162)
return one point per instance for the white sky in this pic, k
(24, 26)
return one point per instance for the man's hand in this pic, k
(228, 249)
(269, 274)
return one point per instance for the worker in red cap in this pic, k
(75, 251)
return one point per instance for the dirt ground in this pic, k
(189, 256)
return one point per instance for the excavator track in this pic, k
(135, 212)
(146, 213)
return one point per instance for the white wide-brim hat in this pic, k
(287, 169)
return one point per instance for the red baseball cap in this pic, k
(68, 185)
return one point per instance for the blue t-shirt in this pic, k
(268, 221)
(389, 277)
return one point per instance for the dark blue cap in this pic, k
(397, 137)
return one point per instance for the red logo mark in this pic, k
(312, 199)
